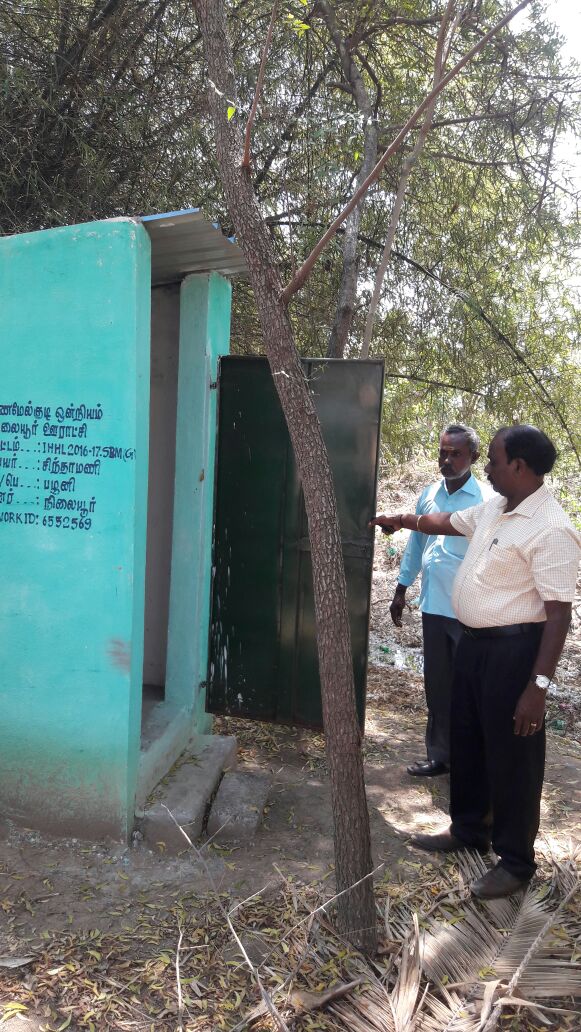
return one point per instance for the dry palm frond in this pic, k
(541, 974)
(482, 958)
(403, 1001)
(397, 921)
(369, 1012)
(376, 1010)
(508, 941)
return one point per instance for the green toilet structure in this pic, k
(110, 335)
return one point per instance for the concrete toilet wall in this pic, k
(87, 562)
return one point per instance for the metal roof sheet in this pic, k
(184, 241)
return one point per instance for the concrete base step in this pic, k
(237, 810)
(186, 792)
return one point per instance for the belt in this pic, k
(505, 631)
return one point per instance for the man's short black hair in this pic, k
(528, 443)
(467, 432)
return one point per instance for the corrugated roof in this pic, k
(184, 242)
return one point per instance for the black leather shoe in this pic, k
(445, 842)
(497, 883)
(427, 769)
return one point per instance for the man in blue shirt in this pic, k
(438, 559)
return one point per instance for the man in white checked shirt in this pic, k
(513, 596)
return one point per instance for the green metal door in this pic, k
(263, 654)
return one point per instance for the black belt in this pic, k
(505, 631)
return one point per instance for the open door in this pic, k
(263, 653)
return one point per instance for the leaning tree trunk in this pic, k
(355, 909)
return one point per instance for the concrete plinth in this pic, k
(186, 792)
(237, 810)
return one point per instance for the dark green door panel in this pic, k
(263, 658)
(250, 490)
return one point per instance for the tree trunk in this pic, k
(355, 909)
(344, 312)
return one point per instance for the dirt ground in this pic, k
(101, 922)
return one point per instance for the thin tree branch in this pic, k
(435, 383)
(500, 336)
(349, 68)
(298, 280)
(539, 204)
(258, 90)
(376, 83)
(442, 51)
(484, 116)
(343, 319)
(286, 136)
(448, 156)
(522, 361)
(478, 311)
(180, 1014)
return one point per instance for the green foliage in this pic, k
(481, 293)
(103, 112)
(297, 26)
(97, 103)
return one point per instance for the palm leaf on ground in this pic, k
(461, 973)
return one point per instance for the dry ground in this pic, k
(102, 923)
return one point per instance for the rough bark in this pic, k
(348, 287)
(356, 909)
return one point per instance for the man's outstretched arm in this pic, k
(426, 523)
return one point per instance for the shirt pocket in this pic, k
(503, 566)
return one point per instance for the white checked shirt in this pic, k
(515, 561)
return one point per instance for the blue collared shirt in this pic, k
(439, 557)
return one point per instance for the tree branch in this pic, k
(349, 68)
(483, 116)
(463, 160)
(435, 383)
(286, 136)
(343, 320)
(259, 81)
(298, 280)
(478, 311)
(539, 204)
(442, 51)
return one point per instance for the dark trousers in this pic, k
(496, 777)
(441, 637)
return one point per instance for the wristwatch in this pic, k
(542, 682)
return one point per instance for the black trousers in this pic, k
(441, 637)
(496, 777)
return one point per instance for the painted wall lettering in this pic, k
(52, 462)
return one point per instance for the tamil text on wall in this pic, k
(54, 464)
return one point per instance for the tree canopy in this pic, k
(103, 111)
